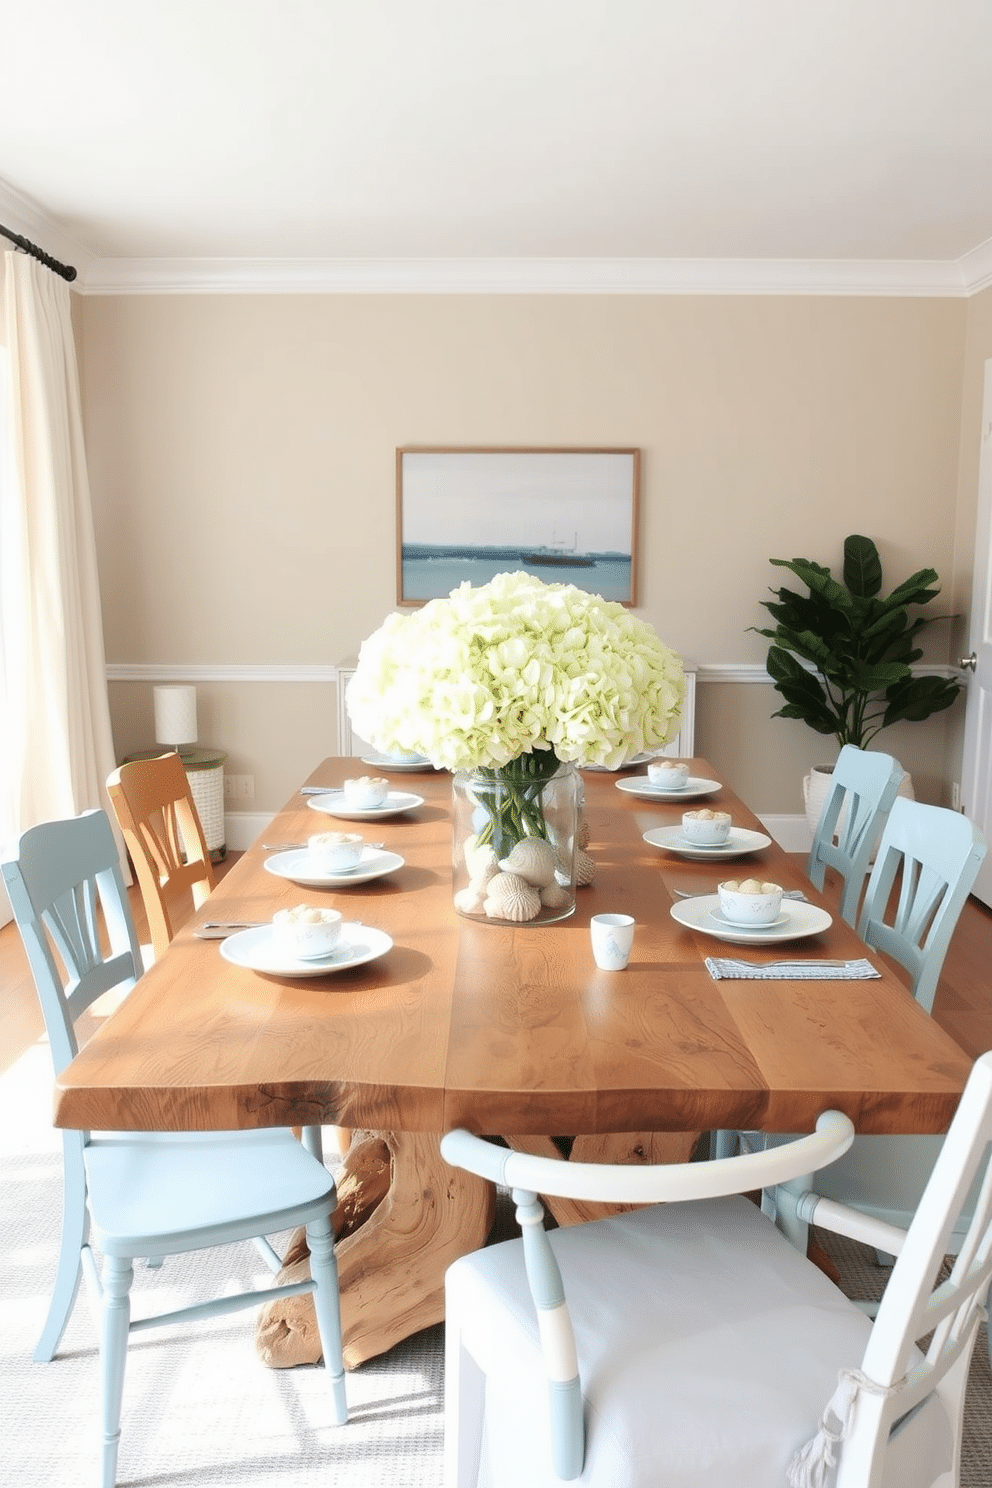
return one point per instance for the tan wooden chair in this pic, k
(157, 814)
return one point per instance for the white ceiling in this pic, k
(516, 143)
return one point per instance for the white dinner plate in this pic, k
(334, 803)
(298, 866)
(380, 762)
(258, 951)
(740, 841)
(640, 785)
(800, 919)
(635, 759)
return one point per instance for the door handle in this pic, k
(968, 663)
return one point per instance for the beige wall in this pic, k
(241, 453)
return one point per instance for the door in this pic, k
(976, 771)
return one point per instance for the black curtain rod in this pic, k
(66, 270)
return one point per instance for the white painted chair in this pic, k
(863, 786)
(689, 1343)
(148, 1194)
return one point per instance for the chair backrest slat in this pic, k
(863, 786)
(60, 875)
(935, 855)
(154, 806)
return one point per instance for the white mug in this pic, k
(612, 938)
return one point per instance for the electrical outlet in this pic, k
(239, 787)
(956, 796)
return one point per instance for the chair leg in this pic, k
(312, 1138)
(723, 1144)
(75, 1229)
(464, 1408)
(327, 1306)
(118, 1274)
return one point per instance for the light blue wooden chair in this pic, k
(933, 855)
(690, 1343)
(927, 862)
(147, 1194)
(863, 787)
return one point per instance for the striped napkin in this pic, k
(790, 971)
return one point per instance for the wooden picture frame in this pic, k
(564, 515)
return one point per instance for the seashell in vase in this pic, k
(533, 859)
(511, 897)
(554, 896)
(480, 860)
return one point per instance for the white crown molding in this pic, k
(976, 268)
(538, 276)
(473, 276)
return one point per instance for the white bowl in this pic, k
(402, 757)
(366, 792)
(308, 931)
(742, 904)
(708, 828)
(668, 774)
(335, 852)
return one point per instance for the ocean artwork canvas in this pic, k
(564, 515)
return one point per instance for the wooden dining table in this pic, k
(507, 1030)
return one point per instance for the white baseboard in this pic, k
(792, 833)
(241, 828)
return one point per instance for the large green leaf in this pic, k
(862, 566)
(918, 697)
(916, 589)
(805, 695)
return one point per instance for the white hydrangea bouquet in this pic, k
(511, 680)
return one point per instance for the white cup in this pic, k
(612, 937)
(307, 932)
(335, 852)
(668, 774)
(705, 827)
(366, 792)
(748, 902)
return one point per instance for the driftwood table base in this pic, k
(403, 1216)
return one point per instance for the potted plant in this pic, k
(841, 656)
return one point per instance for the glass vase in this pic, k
(514, 841)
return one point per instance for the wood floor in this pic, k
(963, 1005)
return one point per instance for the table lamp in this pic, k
(175, 717)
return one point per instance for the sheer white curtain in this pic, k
(56, 747)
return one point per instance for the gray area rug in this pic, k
(199, 1408)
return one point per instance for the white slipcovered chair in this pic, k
(691, 1344)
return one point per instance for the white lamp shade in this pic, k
(175, 715)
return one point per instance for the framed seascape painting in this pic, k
(564, 515)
